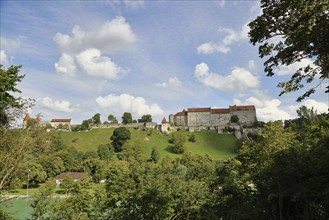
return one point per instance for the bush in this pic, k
(192, 138)
(179, 141)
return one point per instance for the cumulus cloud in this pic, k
(238, 80)
(266, 109)
(66, 65)
(172, 82)
(318, 106)
(110, 37)
(291, 69)
(127, 103)
(57, 105)
(94, 64)
(83, 50)
(3, 58)
(231, 36)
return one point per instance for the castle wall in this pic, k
(207, 118)
(220, 119)
(196, 119)
(246, 117)
(180, 120)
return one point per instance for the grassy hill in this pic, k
(218, 146)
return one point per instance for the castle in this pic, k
(213, 118)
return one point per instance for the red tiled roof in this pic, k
(164, 121)
(198, 109)
(61, 120)
(242, 108)
(182, 113)
(220, 110)
(27, 117)
(74, 175)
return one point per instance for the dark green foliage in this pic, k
(146, 118)
(105, 152)
(288, 32)
(8, 85)
(112, 119)
(127, 118)
(192, 138)
(178, 143)
(234, 119)
(154, 155)
(86, 125)
(119, 137)
(96, 119)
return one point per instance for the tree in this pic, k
(290, 31)
(127, 118)
(234, 119)
(96, 119)
(14, 145)
(192, 138)
(119, 137)
(154, 155)
(112, 119)
(67, 184)
(179, 141)
(42, 200)
(10, 106)
(147, 118)
(86, 124)
(105, 152)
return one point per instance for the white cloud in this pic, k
(10, 44)
(66, 65)
(231, 36)
(266, 109)
(57, 105)
(110, 37)
(238, 80)
(210, 47)
(127, 103)
(94, 64)
(320, 107)
(172, 82)
(291, 69)
(3, 58)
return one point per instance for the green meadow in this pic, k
(218, 146)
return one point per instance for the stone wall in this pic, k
(210, 119)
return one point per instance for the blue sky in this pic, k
(144, 57)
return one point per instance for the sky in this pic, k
(144, 57)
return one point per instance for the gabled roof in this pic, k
(74, 175)
(61, 120)
(182, 113)
(242, 108)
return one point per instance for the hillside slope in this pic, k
(218, 146)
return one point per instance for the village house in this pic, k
(76, 176)
(64, 123)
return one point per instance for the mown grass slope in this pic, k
(218, 146)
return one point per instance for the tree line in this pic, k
(111, 119)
